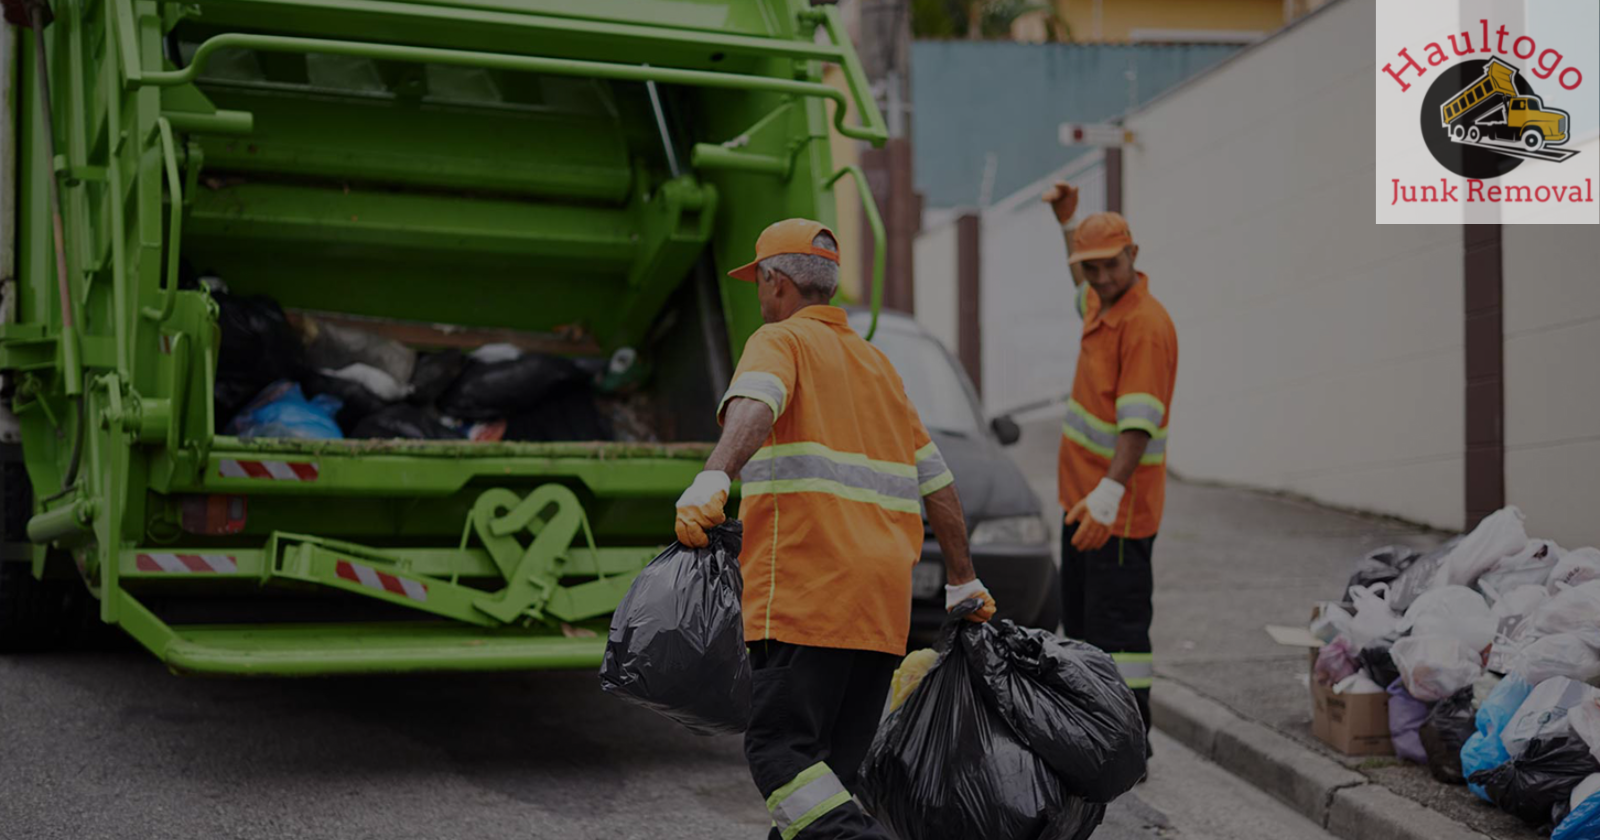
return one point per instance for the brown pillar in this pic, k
(1485, 380)
(1113, 158)
(969, 297)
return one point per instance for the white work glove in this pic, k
(955, 595)
(1094, 515)
(700, 507)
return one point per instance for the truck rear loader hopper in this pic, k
(577, 179)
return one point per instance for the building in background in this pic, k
(1160, 21)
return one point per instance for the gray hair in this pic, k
(816, 277)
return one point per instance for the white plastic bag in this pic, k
(1357, 683)
(1545, 713)
(1482, 687)
(379, 382)
(1561, 655)
(1509, 614)
(1435, 667)
(1586, 722)
(1530, 566)
(1500, 534)
(1331, 622)
(1575, 568)
(1374, 619)
(1575, 611)
(1451, 611)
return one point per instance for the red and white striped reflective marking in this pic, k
(186, 563)
(374, 579)
(276, 470)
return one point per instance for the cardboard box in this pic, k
(1353, 724)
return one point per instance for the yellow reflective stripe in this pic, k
(928, 451)
(767, 383)
(1081, 439)
(1152, 460)
(831, 488)
(815, 814)
(1082, 299)
(1138, 424)
(806, 777)
(759, 397)
(1137, 669)
(767, 453)
(937, 483)
(1075, 407)
(1141, 399)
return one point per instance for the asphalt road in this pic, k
(109, 745)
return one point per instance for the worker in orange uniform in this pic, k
(835, 467)
(1113, 461)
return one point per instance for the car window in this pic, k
(932, 382)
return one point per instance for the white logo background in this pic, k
(1571, 27)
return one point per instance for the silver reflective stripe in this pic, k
(760, 386)
(1136, 670)
(930, 463)
(795, 467)
(1139, 411)
(803, 802)
(1097, 436)
(1156, 446)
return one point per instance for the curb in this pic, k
(1326, 792)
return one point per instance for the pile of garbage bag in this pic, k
(352, 383)
(1005, 732)
(1489, 647)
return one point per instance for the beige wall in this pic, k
(1115, 20)
(1321, 354)
(1552, 386)
(935, 289)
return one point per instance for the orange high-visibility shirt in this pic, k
(1127, 367)
(832, 504)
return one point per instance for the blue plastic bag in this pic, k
(1583, 823)
(282, 411)
(1484, 751)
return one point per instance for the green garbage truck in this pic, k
(571, 178)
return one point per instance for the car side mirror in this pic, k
(1006, 429)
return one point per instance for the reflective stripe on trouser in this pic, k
(1137, 669)
(801, 802)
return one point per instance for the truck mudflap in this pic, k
(555, 589)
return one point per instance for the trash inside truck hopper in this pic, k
(579, 177)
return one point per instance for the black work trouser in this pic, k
(1106, 599)
(816, 710)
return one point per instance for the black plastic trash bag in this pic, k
(492, 390)
(676, 644)
(1530, 787)
(258, 348)
(1451, 722)
(359, 401)
(1419, 576)
(434, 373)
(1378, 662)
(404, 420)
(1382, 566)
(973, 751)
(567, 414)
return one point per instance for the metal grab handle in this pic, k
(880, 240)
(855, 76)
(873, 132)
(169, 152)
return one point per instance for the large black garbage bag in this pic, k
(1068, 703)
(434, 373)
(359, 401)
(569, 413)
(492, 390)
(676, 644)
(403, 420)
(1382, 566)
(951, 763)
(1377, 660)
(1530, 787)
(1451, 722)
(258, 348)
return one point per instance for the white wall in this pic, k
(935, 287)
(1552, 386)
(1320, 353)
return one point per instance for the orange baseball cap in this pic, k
(1101, 236)
(790, 236)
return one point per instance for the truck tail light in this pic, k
(215, 514)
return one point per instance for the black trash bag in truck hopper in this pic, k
(403, 420)
(676, 644)
(434, 373)
(359, 401)
(492, 390)
(258, 348)
(1005, 738)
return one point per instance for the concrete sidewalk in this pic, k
(1228, 562)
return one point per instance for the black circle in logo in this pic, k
(1477, 124)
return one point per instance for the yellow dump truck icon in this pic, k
(1490, 112)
